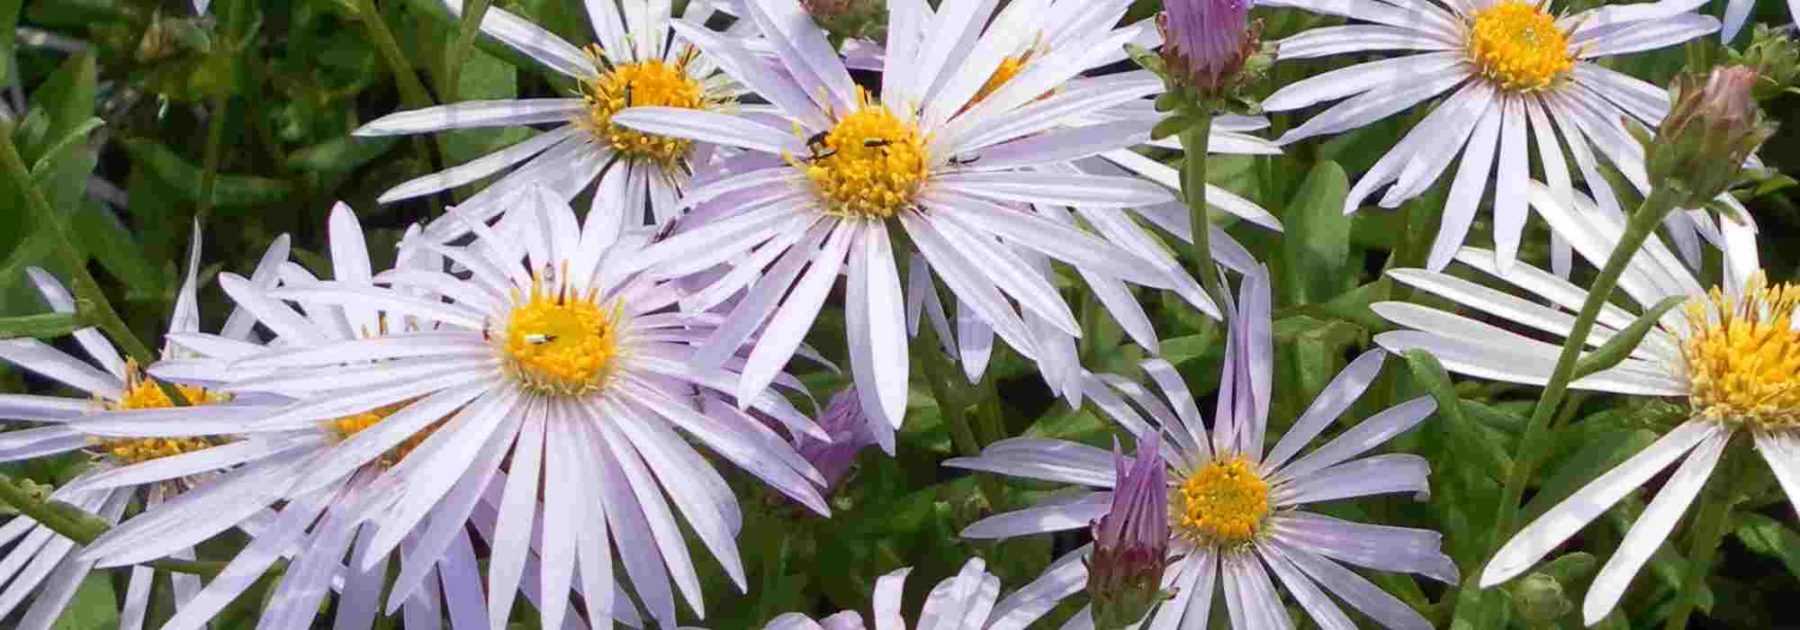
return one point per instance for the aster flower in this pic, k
(1209, 41)
(1131, 541)
(1236, 509)
(1733, 352)
(636, 61)
(967, 601)
(1517, 74)
(850, 433)
(949, 166)
(42, 563)
(544, 351)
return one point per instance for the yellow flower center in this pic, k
(1518, 46)
(559, 343)
(869, 165)
(143, 392)
(348, 426)
(650, 83)
(1223, 503)
(1743, 356)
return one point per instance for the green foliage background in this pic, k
(126, 108)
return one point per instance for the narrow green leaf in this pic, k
(1769, 537)
(9, 26)
(339, 155)
(44, 326)
(184, 177)
(1465, 437)
(94, 606)
(1316, 243)
(1621, 345)
(74, 137)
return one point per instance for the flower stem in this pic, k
(466, 29)
(1709, 530)
(215, 128)
(91, 302)
(75, 524)
(1193, 189)
(1535, 442)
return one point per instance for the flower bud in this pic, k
(849, 429)
(1131, 542)
(1712, 128)
(1539, 600)
(1206, 42)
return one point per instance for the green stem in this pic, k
(1535, 442)
(466, 29)
(90, 300)
(1709, 531)
(215, 128)
(1193, 189)
(412, 91)
(75, 524)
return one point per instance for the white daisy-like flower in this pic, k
(545, 356)
(951, 167)
(42, 563)
(1518, 75)
(636, 61)
(969, 600)
(316, 528)
(1733, 352)
(1236, 509)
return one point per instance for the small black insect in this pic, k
(876, 143)
(962, 160)
(538, 340)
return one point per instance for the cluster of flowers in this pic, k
(532, 381)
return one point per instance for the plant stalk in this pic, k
(1193, 190)
(77, 525)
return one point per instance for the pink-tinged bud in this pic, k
(1206, 42)
(849, 429)
(1131, 542)
(1711, 130)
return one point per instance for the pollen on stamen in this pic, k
(558, 342)
(348, 426)
(1742, 355)
(1518, 46)
(1223, 503)
(143, 392)
(869, 165)
(655, 83)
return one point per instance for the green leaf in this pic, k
(229, 190)
(1466, 438)
(1316, 247)
(1769, 537)
(64, 102)
(1598, 454)
(93, 607)
(73, 138)
(1621, 345)
(9, 26)
(339, 155)
(117, 249)
(44, 326)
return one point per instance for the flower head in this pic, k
(850, 433)
(1711, 130)
(1207, 41)
(1131, 541)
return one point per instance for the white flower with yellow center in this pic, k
(1237, 511)
(636, 62)
(540, 389)
(315, 528)
(950, 167)
(1732, 352)
(1518, 76)
(42, 564)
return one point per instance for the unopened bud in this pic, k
(849, 429)
(1207, 42)
(1711, 130)
(1131, 542)
(1539, 600)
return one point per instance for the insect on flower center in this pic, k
(869, 165)
(1743, 356)
(348, 426)
(143, 392)
(1518, 46)
(1224, 502)
(651, 83)
(557, 342)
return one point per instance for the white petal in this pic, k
(1332, 402)
(1091, 191)
(475, 114)
(534, 41)
(1036, 520)
(716, 128)
(1652, 528)
(1379, 547)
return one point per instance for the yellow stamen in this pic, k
(1518, 46)
(143, 392)
(559, 343)
(1225, 502)
(1743, 355)
(870, 165)
(1009, 68)
(650, 83)
(351, 425)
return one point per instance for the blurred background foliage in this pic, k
(139, 118)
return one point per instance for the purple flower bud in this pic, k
(1131, 542)
(849, 429)
(1206, 41)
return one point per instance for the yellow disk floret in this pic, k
(1225, 502)
(1743, 355)
(143, 392)
(870, 165)
(646, 84)
(351, 425)
(559, 343)
(1518, 46)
